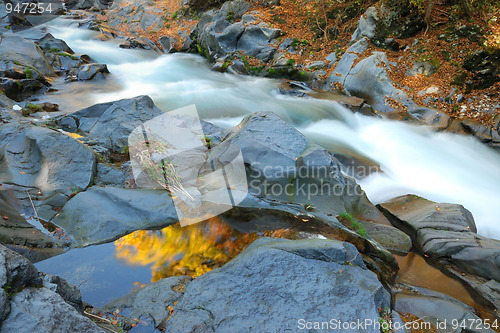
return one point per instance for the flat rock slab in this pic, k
(104, 214)
(274, 284)
(446, 234)
(440, 311)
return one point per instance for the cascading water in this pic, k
(438, 166)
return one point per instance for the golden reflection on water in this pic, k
(414, 270)
(192, 250)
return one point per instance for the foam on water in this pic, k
(439, 166)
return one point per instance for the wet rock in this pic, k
(484, 133)
(237, 67)
(70, 64)
(253, 215)
(255, 38)
(277, 274)
(436, 308)
(104, 214)
(109, 124)
(16, 272)
(140, 43)
(68, 292)
(166, 43)
(389, 237)
(20, 89)
(446, 233)
(152, 303)
(49, 43)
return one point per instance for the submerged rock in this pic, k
(277, 285)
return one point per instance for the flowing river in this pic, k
(438, 166)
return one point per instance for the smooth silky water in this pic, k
(438, 166)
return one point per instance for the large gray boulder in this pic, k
(104, 214)
(368, 78)
(108, 125)
(31, 301)
(277, 285)
(301, 172)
